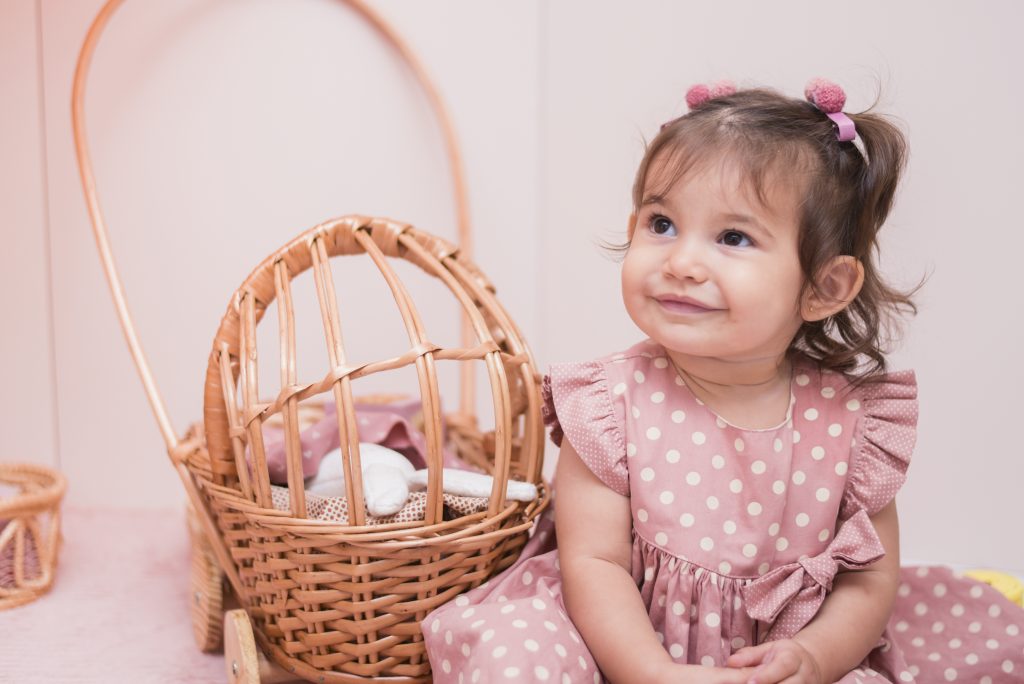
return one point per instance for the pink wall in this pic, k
(220, 129)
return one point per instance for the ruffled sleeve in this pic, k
(883, 443)
(578, 406)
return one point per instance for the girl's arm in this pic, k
(847, 626)
(594, 527)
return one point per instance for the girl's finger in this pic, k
(776, 670)
(751, 655)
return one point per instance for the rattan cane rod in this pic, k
(250, 396)
(290, 412)
(231, 406)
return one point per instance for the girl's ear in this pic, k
(631, 226)
(838, 284)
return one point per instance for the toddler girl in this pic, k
(725, 488)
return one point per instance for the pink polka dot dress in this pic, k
(737, 533)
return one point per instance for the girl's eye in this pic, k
(734, 238)
(662, 226)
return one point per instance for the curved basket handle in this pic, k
(467, 383)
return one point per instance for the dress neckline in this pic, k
(794, 370)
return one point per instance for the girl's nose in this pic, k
(686, 262)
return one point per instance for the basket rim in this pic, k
(51, 487)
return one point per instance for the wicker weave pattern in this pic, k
(349, 599)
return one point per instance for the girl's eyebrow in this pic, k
(747, 220)
(652, 199)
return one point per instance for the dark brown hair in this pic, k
(846, 198)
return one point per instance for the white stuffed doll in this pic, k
(388, 477)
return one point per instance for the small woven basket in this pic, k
(29, 531)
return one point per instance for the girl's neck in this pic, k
(752, 393)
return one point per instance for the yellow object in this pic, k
(1008, 585)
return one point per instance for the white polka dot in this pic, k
(675, 650)
(802, 520)
(985, 680)
(749, 550)
(672, 456)
(824, 535)
(991, 644)
(717, 462)
(619, 388)
(758, 467)
(1012, 630)
(661, 539)
(957, 610)
(811, 414)
(693, 478)
(638, 377)
(580, 660)
(802, 379)
(657, 397)
(434, 626)
(686, 520)
(487, 636)
(630, 449)
(853, 405)
(641, 515)
(465, 650)
(468, 613)
(462, 600)
(950, 674)
(448, 637)
(955, 643)
(777, 445)
(519, 624)
(648, 574)
(906, 676)
(738, 643)
(635, 411)
(841, 468)
(902, 626)
(647, 474)
(707, 543)
(653, 433)
(678, 608)
(740, 446)
(538, 604)
(527, 577)
(994, 610)
(835, 429)
(796, 436)
(920, 608)
(763, 568)
(822, 494)
(541, 673)
(798, 477)
(678, 416)
(505, 610)
(773, 529)
(778, 487)
(666, 497)
(560, 650)
(661, 362)
(712, 620)
(817, 453)
(720, 424)
(446, 666)
(828, 392)
(725, 567)
(729, 526)
(781, 544)
(938, 627)
(511, 672)
(1007, 666)
(698, 438)
(736, 486)
(975, 592)
(499, 651)
(712, 502)
(921, 571)
(754, 508)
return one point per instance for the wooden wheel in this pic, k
(240, 655)
(206, 591)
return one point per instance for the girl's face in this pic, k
(710, 270)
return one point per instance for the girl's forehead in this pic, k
(730, 178)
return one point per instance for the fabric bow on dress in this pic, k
(789, 596)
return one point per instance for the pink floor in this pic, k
(118, 611)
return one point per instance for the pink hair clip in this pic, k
(701, 93)
(830, 98)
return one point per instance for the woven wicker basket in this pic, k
(29, 531)
(333, 602)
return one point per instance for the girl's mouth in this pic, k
(684, 306)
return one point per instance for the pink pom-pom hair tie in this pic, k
(830, 98)
(702, 92)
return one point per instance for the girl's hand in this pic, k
(777, 661)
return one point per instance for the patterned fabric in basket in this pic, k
(335, 508)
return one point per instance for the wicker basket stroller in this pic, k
(329, 601)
